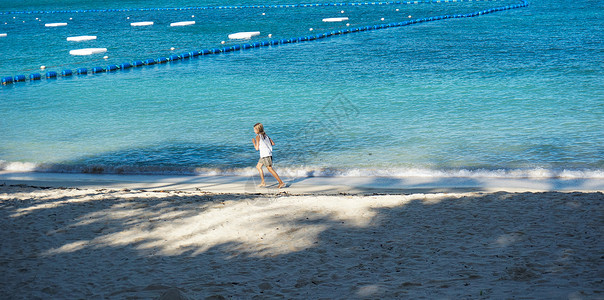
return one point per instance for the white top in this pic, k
(184, 23)
(81, 38)
(87, 51)
(243, 35)
(265, 147)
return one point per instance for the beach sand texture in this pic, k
(119, 244)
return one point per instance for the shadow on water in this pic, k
(108, 244)
(168, 158)
(175, 158)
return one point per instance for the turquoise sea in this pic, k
(513, 93)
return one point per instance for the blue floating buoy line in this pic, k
(274, 42)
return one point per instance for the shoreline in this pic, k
(301, 185)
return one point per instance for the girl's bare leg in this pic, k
(259, 167)
(281, 184)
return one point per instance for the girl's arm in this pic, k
(272, 143)
(255, 143)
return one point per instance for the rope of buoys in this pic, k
(237, 7)
(245, 46)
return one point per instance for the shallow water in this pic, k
(515, 93)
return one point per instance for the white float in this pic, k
(335, 19)
(55, 24)
(87, 51)
(141, 24)
(185, 23)
(243, 35)
(3, 34)
(81, 38)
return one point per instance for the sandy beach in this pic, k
(80, 242)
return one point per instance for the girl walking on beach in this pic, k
(265, 144)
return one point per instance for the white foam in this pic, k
(243, 35)
(87, 51)
(17, 166)
(185, 23)
(55, 24)
(335, 19)
(141, 24)
(81, 38)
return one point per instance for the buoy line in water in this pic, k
(246, 46)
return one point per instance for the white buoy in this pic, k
(70, 19)
(223, 42)
(270, 35)
(105, 57)
(141, 23)
(128, 18)
(409, 17)
(243, 35)
(185, 23)
(397, 9)
(81, 38)
(382, 19)
(172, 48)
(342, 12)
(87, 51)
(3, 34)
(310, 29)
(264, 14)
(347, 24)
(55, 24)
(192, 16)
(42, 67)
(335, 19)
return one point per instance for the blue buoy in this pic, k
(35, 76)
(66, 72)
(150, 61)
(185, 55)
(174, 57)
(51, 74)
(125, 66)
(97, 70)
(19, 78)
(111, 68)
(195, 53)
(162, 60)
(82, 71)
(7, 80)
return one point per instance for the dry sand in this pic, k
(66, 243)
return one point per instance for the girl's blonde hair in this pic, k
(260, 129)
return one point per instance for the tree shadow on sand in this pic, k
(120, 244)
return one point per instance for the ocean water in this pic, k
(515, 93)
